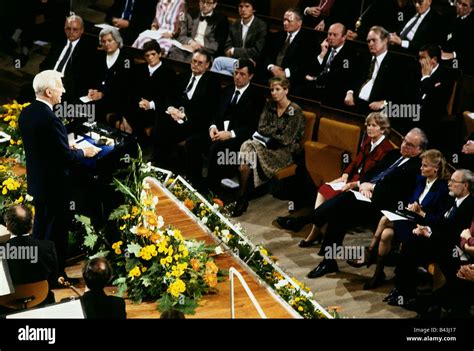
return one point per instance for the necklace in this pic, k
(362, 13)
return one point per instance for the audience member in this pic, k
(206, 29)
(282, 125)
(97, 273)
(315, 11)
(246, 40)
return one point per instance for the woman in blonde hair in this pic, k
(425, 207)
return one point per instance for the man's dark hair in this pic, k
(432, 51)
(18, 219)
(204, 52)
(242, 63)
(150, 46)
(97, 273)
(297, 12)
(172, 314)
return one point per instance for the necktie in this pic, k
(329, 61)
(65, 58)
(451, 212)
(190, 85)
(127, 13)
(406, 30)
(284, 49)
(203, 18)
(387, 171)
(371, 71)
(235, 98)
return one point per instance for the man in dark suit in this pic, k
(457, 47)
(435, 89)
(42, 263)
(48, 157)
(435, 244)
(246, 39)
(237, 119)
(387, 185)
(75, 58)
(315, 11)
(131, 16)
(331, 73)
(206, 29)
(97, 305)
(288, 53)
(379, 80)
(424, 28)
(189, 113)
(153, 85)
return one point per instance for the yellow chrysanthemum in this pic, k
(195, 264)
(134, 273)
(177, 288)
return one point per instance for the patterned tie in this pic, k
(452, 211)
(127, 13)
(235, 98)
(371, 70)
(329, 61)
(284, 49)
(190, 85)
(406, 30)
(385, 173)
(65, 57)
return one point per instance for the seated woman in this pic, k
(426, 206)
(374, 147)
(167, 24)
(113, 72)
(282, 125)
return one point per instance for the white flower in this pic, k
(309, 294)
(281, 283)
(28, 197)
(133, 230)
(225, 232)
(215, 206)
(154, 201)
(204, 220)
(146, 185)
(143, 196)
(218, 250)
(161, 222)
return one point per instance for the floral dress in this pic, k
(287, 130)
(168, 16)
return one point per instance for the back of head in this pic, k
(172, 314)
(49, 79)
(97, 273)
(18, 219)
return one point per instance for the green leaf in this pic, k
(90, 240)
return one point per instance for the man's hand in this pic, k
(314, 11)
(466, 234)
(144, 104)
(213, 132)
(349, 99)
(466, 272)
(395, 39)
(377, 105)
(277, 71)
(447, 55)
(324, 48)
(352, 35)
(194, 45)
(90, 151)
(421, 230)
(366, 189)
(228, 52)
(349, 186)
(222, 135)
(468, 148)
(425, 66)
(320, 27)
(175, 113)
(120, 22)
(95, 95)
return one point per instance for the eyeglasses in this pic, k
(456, 181)
(408, 144)
(197, 63)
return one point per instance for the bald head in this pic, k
(336, 35)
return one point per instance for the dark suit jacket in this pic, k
(367, 159)
(459, 40)
(202, 108)
(24, 271)
(254, 41)
(47, 151)
(310, 21)
(430, 31)
(215, 35)
(337, 81)
(387, 82)
(396, 186)
(244, 116)
(98, 305)
(298, 55)
(142, 16)
(80, 72)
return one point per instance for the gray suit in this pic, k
(254, 41)
(214, 36)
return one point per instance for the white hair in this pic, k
(48, 79)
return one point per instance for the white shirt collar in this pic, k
(45, 102)
(460, 200)
(154, 68)
(377, 143)
(242, 90)
(381, 57)
(248, 24)
(110, 59)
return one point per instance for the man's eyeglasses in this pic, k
(408, 143)
(456, 181)
(198, 63)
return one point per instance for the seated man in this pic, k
(386, 185)
(206, 29)
(246, 39)
(97, 274)
(42, 262)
